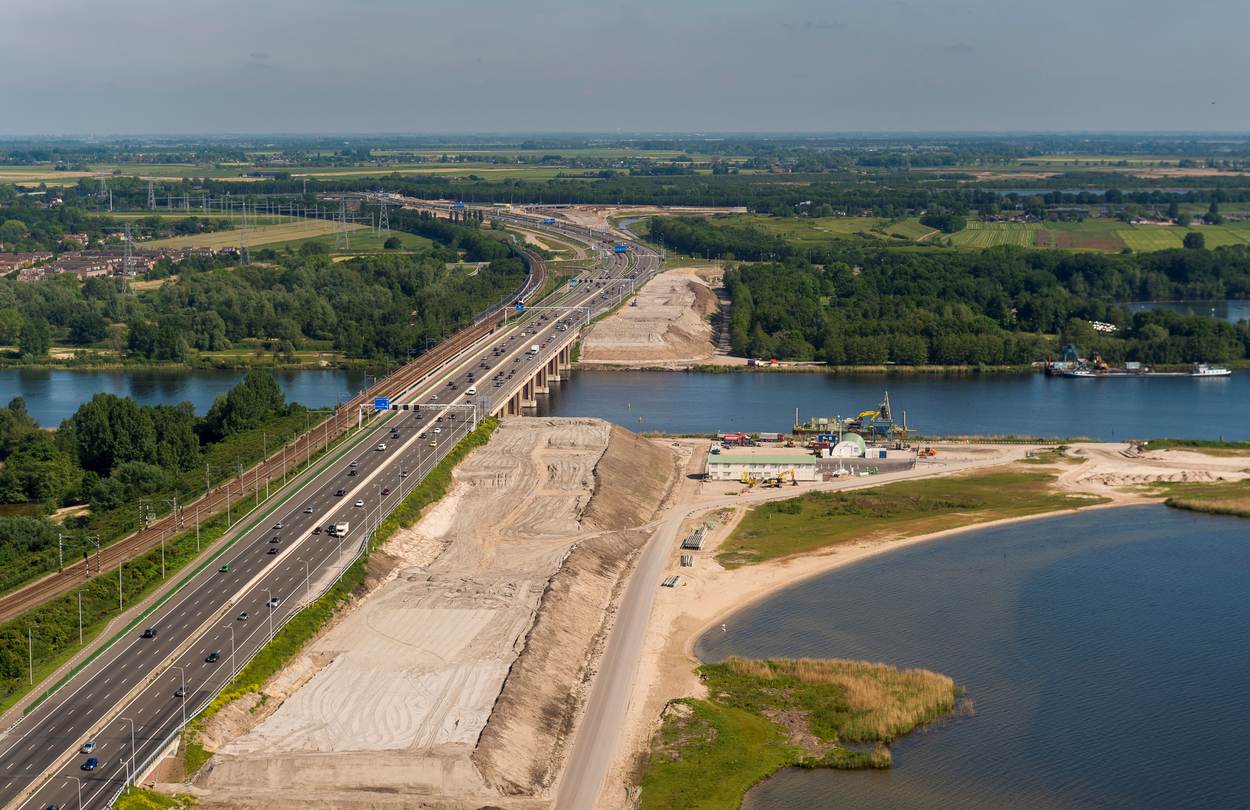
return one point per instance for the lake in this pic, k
(1232, 311)
(1105, 655)
(994, 404)
(53, 395)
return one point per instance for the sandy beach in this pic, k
(710, 593)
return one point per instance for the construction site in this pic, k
(458, 679)
(822, 449)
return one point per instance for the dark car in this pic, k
(386, 490)
(341, 493)
(275, 539)
(272, 550)
(351, 472)
(316, 530)
(213, 657)
(149, 632)
(90, 764)
(180, 692)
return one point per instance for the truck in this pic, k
(339, 529)
(533, 349)
(549, 220)
(620, 248)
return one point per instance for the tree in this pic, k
(1195, 241)
(11, 231)
(86, 327)
(35, 339)
(10, 325)
(254, 400)
(1174, 210)
(1213, 215)
(392, 243)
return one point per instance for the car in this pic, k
(422, 435)
(404, 473)
(308, 510)
(316, 530)
(359, 503)
(149, 632)
(433, 443)
(90, 764)
(53, 807)
(225, 569)
(243, 616)
(272, 550)
(88, 747)
(275, 539)
(180, 692)
(433, 397)
(386, 490)
(213, 657)
(340, 493)
(274, 601)
(351, 473)
(355, 463)
(381, 446)
(279, 526)
(438, 430)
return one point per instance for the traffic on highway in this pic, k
(114, 717)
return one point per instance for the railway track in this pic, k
(274, 468)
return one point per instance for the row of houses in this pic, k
(87, 264)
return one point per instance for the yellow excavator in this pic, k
(748, 479)
(776, 481)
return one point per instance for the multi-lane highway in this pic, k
(131, 700)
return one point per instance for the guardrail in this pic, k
(145, 764)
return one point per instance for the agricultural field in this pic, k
(1162, 237)
(361, 240)
(260, 236)
(992, 234)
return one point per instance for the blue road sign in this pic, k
(381, 403)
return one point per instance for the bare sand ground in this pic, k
(387, 708)
(710, 593)
(601, 216)
(669, 325)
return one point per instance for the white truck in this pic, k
(533, 349)
(339, 529)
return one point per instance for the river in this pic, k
(990, 404)
(696, 402)
(53, 395)
(1105, 655)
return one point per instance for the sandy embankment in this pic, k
(710, 593)
(670, 326)
(455, 682)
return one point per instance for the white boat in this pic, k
(1203, 370)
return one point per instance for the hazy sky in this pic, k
(185, 66)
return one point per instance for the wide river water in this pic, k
(997, 404)
(53, 395)
(1106, 656)
(681, 402)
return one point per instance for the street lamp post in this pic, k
(134, 777)
(79, 781)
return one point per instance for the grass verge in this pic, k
(1211, 447)
(1220, 498)
(817, 520)
(761, 716)
(308, 623)
(137, 798)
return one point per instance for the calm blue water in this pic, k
(54, 395)
(1024, 404)
(1105, 654)
(1232, 311)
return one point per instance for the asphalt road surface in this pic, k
(132, 698)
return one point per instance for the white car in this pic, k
(438, 430)
(87, 748)
(381, 446)
(274, 602)
(359, 503)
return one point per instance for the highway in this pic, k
(133, 697)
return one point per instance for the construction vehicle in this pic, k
(928, 452)
(748, 479)
(776, 481)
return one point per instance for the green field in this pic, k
(263, 235)
(361, 240)
(821, 519)
(992, 234)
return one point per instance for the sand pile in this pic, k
(670, 322)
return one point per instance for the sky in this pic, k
(88, 67)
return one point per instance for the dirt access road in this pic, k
(455, 681)
(662, 667)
